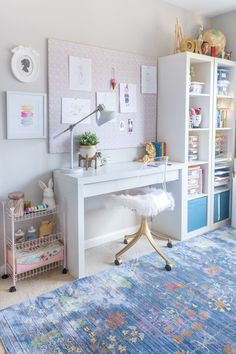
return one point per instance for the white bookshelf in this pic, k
(174, 102)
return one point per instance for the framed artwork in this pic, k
(26, 115)
(25, 64)
(149, 79)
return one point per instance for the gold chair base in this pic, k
(144, 230)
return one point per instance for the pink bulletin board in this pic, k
(127, 70)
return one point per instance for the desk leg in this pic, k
(81, 249)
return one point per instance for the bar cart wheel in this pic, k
(5, 276)
(12, 289)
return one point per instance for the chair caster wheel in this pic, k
(126, 241)
(12, 289)
(118, 262)
(5, 276)
(64, 271)
(168, 267)
(169, 244)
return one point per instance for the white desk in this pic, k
(73, 189)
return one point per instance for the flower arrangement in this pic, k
(88, 139)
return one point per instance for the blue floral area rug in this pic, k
(137, 307)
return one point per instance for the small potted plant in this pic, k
(87, 142)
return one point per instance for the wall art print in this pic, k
(26, 115)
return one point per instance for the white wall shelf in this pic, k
(197, 212)
(197, 162)
(198, 129)
(199, 95)
(197, 196)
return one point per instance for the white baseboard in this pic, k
(113, 236)
(1, 270)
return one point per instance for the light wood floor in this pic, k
(97, 259)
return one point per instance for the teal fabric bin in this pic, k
(221, 206)
(197, 213)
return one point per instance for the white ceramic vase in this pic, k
(87, 150)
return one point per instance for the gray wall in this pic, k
(226, 23)
(143, 27)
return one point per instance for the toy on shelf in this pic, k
(46, 227)
(48, 194)
(150, 154)
(178, 36)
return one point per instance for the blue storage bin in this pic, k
(221, 206)
(222, 73)
(197, 213)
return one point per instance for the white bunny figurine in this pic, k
(48, 194)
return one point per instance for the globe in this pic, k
(215, 38)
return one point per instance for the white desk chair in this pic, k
(147, 202)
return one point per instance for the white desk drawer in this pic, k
(127, 183)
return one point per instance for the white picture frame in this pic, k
(25, 64)
(26, 115)
(148, 79)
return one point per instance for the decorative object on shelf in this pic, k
(178, 36)
(48, 194)
(31, 234)
(200, 39)
(113, 80)
(216, 38)
(19, 236)
(228, 55)
(100, 159)
(16, 201)
(88, 161)
(195, 117)
(104, 117)
(88, 144)
(150, 153)
(213, 51)
(188, 45)
(26, 115)
(46, 227)
(25, 64)
(27, 204)
(205, 48)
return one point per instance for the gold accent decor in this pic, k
(150, 153)
(88, 161)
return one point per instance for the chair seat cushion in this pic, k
(147, 201)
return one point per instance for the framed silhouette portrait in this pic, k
(25, 64)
